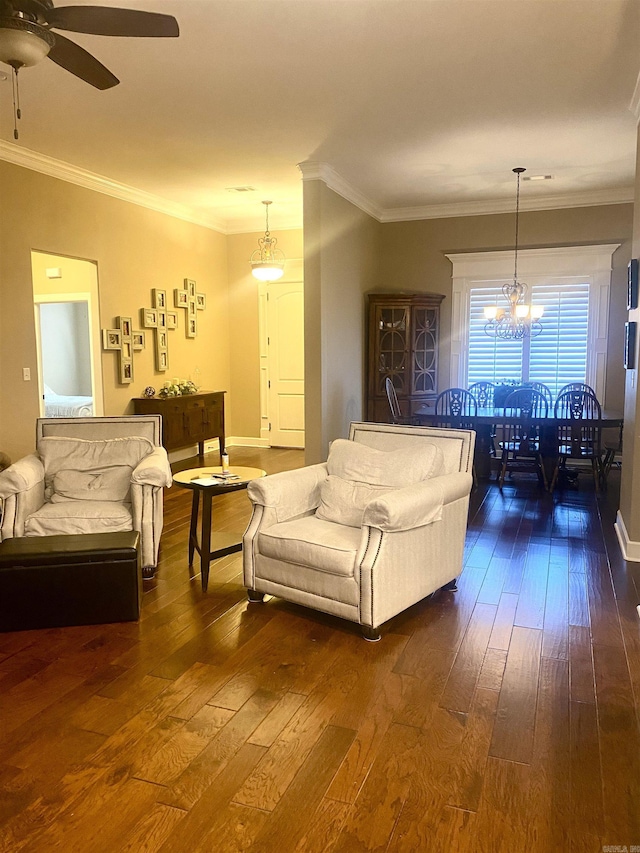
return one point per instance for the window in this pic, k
(573, 285)
(556, 356)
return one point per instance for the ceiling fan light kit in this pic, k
(26, 37)
(267, 261)
(23, 43)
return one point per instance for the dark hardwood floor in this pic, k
(502, 717)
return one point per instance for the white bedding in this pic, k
(61, 406)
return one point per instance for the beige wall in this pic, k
(412, 257)
(340, 250)
(243, 320)
(135, 250)
(630, 481)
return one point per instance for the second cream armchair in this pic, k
(369, 533)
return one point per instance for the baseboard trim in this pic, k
(630, 549)
(213, 446)
(246, 441)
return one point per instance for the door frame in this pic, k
(95, 362)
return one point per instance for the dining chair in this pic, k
(520, 444)
(483, 392)
(396, 412)
(544, 390)
(577, 386)
(579, 439)
(612, 449)
(456, 403)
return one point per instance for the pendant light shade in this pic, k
(267, 262)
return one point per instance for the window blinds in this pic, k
(557, 356)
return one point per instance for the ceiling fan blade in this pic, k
(70, 56)
(103, 21)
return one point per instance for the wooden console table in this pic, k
(189, 419)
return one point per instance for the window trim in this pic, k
(553, 265)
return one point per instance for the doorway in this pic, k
(282, 359)
(67, 322)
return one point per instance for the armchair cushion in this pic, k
(312, 542)
(359, 474)
(78, 455)
(70, 517)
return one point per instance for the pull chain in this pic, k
(17, 114)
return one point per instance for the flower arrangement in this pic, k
(177, 387)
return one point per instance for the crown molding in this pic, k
(316, 171)
(623, 195)
(634, 106)
(313, 170)
(37, 162)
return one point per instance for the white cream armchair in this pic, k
(90, 475)
(369, 533)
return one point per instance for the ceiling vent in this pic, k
(537, 178)
(240, 189)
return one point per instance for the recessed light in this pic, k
(240, 189)
(537, 177)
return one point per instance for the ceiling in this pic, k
(416, 108)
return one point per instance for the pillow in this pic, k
(358, 474)
(80, 455)
(108, 484)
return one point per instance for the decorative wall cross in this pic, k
(192, 302)
(125, 342)
(161, 321)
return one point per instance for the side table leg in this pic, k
(193, 527)
(205, 540)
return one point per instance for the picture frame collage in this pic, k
(162, 322)
(124, 340)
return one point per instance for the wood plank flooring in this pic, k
(502, 717)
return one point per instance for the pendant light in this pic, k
(267, 262)
(520, 319)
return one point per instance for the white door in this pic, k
(285, 360)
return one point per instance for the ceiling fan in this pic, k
(26, 36)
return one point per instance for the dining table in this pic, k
(487, 420)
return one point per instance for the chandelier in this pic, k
(520, 319)
(267, 262)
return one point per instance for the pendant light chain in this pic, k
(515, 269)
(17, 114)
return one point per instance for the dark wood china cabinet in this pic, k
(402, 344)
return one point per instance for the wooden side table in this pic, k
(211, 546)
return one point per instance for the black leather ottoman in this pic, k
(53, 581)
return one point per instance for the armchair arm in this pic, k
(153, 470)
(21, 493)
(21, 476)
(416, 505)
(290, 493)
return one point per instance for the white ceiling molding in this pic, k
(623, 195)
(634, 106)
(20, 156)
(315, 171)
(290, 218)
